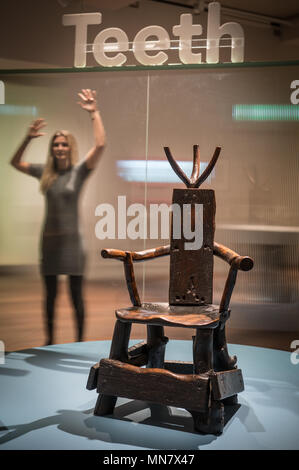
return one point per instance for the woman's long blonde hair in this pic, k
(50, 172)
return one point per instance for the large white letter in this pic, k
(107, 221)
(139, 221)
(140, 45)
(215, 31)
(100, 46)
(294, 95)
(185, 30)
(165, 212)
(81, 21)
(2, 352)
(194, 214)
(2, 93)
(122, 217)
(294, 358)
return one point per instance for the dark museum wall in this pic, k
(32, 31)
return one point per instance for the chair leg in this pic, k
(119, 351)
(156, 343)
(211, 421)
(120, 341)
(233, 400)
(203, 351)
(222, 359)
(105, 405)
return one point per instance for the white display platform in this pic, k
(45, 405)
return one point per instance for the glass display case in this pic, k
(245, 109)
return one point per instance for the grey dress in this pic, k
(61, 246)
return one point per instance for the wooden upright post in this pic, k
(191, 271)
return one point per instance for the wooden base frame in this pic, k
(195, 386)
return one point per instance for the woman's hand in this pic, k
(34, 129)
(89, 102)
(32, 133)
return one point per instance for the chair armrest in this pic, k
(128, 257)
(112, 253)
(244, 263)
(137, 255)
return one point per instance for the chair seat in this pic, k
(163, 314)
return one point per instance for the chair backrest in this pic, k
(191, 259)
(192, 235)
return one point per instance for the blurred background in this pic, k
(245, 110)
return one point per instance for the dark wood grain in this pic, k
(130, 279)
(137, 349)
(222, 358)
(179, 367)
(163, 314)
(105, 405)
(119, 351)
(120, 341)
(156, 354)
(228, 289)
(153, 385)
(203, 351)
(156, 343)
(136, 255)
(227, 384)
(244, 263)
(209, 168)
(138, 354)
(191, 271)
(195, 180)
(211, 421)
(176, 168)
(92, 380)
(196, 164)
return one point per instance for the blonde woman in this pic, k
(61, 180)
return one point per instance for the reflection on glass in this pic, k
(15, 110)
(256, 182)
(154, 171)
(265, 112)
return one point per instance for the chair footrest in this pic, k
(93, 377)
(226, 384)
(109, 372)
(154, 385)
(179, 367)
(138, 354)
(137, 349)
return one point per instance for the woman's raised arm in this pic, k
(89, 103)
(33, 132)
